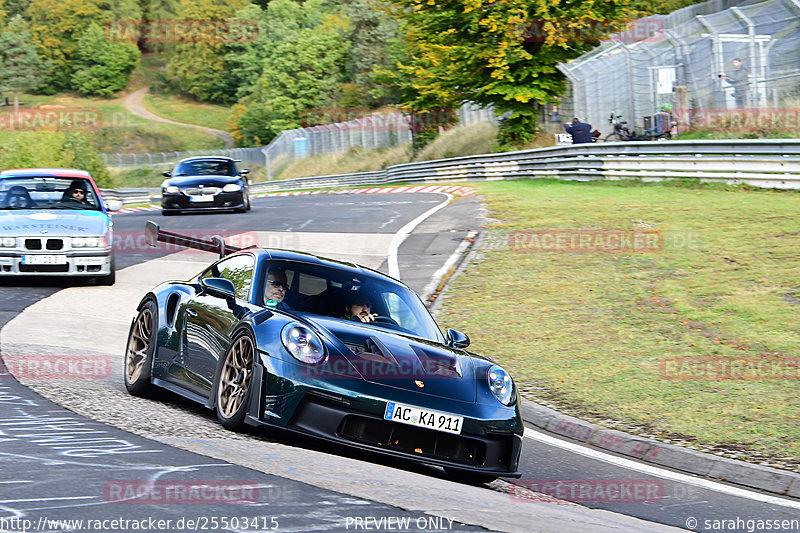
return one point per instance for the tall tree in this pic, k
(497, 52)
(299, 73)
(56, 28)
(102, 67)
(374, 37)
(20, 66)
(199, 65)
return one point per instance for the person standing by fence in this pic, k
(580, 131)
(740, 82)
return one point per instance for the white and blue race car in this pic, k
(54, 222)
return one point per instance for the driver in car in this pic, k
(359, 309)
(275, 289)
(77, 192)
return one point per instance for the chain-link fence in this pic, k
(707, 62)
(166, 160)
(368, 132)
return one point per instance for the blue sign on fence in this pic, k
(301, 147)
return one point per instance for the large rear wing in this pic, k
(154, 234)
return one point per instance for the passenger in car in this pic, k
(358, 308)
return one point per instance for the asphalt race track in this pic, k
(57, 464)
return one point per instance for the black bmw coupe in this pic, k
(211, 183)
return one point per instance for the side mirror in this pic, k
(456, 339)
(219, 287)
(113, 205)
(167, 174)
(244, 171)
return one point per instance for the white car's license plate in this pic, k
(32, 259)
(424, 418)
(202, 198)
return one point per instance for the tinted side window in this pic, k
(239, 270)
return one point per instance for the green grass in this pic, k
(182, 109)
(588, 331)
(146, 71)
(121, 130)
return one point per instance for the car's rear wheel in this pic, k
(139, 352)
(235, 382)
(465, 476)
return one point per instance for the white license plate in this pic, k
(202, 198)
(32, 259)
(424, 418)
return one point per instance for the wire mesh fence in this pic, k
(369, 133)
(723, 64)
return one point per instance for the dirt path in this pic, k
(134, 102)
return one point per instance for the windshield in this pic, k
(331, 292)
(205, 168)
(47, 193)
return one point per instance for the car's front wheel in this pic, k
(139, 352)
(245, 204)
(235, 383)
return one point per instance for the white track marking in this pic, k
(659, 472)
(403, 233)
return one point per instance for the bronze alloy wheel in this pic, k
(139, 353)
(234, 381)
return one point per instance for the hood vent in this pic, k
(438, 364)
(373, 349)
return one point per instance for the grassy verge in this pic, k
(589, 332)
(117, 129)
(186, 110)
(146, 71)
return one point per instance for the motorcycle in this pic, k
(622, 133)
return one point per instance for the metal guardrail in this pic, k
(769, 163)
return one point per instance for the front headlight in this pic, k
(8, 242)
(88, 242)
(501, 385)
(303, 344)
(232, 187)
(171, 189)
